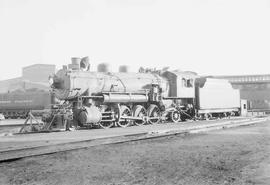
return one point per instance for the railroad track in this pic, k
(19, 153)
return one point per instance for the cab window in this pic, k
(190, 83)
(184, 82)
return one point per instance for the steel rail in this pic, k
(16, 154)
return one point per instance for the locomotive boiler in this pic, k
(107, 99)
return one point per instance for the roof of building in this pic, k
(36, 65)
(260, 78)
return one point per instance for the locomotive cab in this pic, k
(182, 86)
(182, 91)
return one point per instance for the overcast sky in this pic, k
(221, 37)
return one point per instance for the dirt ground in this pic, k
(233, 156)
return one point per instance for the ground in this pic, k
(232, 156)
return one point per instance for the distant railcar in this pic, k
(17, 104)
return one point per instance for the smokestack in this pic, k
(75, 60)
(75, 63)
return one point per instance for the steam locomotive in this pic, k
(107, 99)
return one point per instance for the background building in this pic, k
(253, 88)
(38, 72)
(33, 77)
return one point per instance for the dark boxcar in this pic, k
(18, 104)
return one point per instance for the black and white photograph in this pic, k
(135, 92)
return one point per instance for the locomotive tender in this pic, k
(123, 98)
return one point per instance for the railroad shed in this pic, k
(38, 72)
(253, 88)
(33, 77)
(5, 84)
(28, 92)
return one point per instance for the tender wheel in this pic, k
(175, 116)
(153, 113)
(140, 112)
(124, 111)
